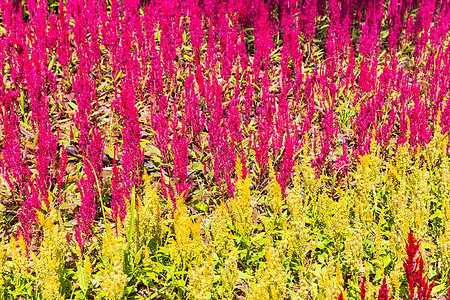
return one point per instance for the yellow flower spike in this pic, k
(408, 134)
(87, 266)
(113, 280)
(201, 277)
(48, 265)
(219, 229)
(139, 202)
(444, 245)
(298, 232)
(268, 254)
(339, 277)
(393, 171)
(229, 274)
(182, 226)
(3, 257)
(271, 279)
(196, 227)
(50, 202)
(19, 261)
(109, 231)
(366, 270)
(148, 216)
(238, 167)
(2, 252)
(339, 191)
(241, 208)
(284, 225)
(266, 223)
(48, 224)
(197, 244)
(395, 278)
(41, 217)
(373, 143)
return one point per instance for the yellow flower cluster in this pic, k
(353, 250)
(149, 222)
(331, 281)
(3, 256)
(241, 208)
(271, 279)
(113, 279)
(18, 250)
(201, 277)
(49, 264)
(219, 229)
(298, 231)
(188, 242)
(367, 178)
(229, 273)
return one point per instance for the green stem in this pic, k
(98, 189)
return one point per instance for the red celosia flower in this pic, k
(414, 267)
(410, 264)
(383, 293)
(362, 292)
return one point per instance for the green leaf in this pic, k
(341, 107)
(439, 288)
(132, 213)
(82, 278)
(386, 260)
(246, 276)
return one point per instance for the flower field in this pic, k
(240, 149)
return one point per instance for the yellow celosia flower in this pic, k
(310, 184)
(298, 232)
(113, 279)
(229, 273)
(295, 199)
(444, 188)
(367, 178)
(331, 281)
(395, 279)
(188, 242)
(87, 268)
(271, 279)
(353, 251)
(18, 250)
(419, 193)
(49, 264)
(219, 229)
(444, 246)
(240, 205)
(148, 220)
(201, 277)
(3, 257)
